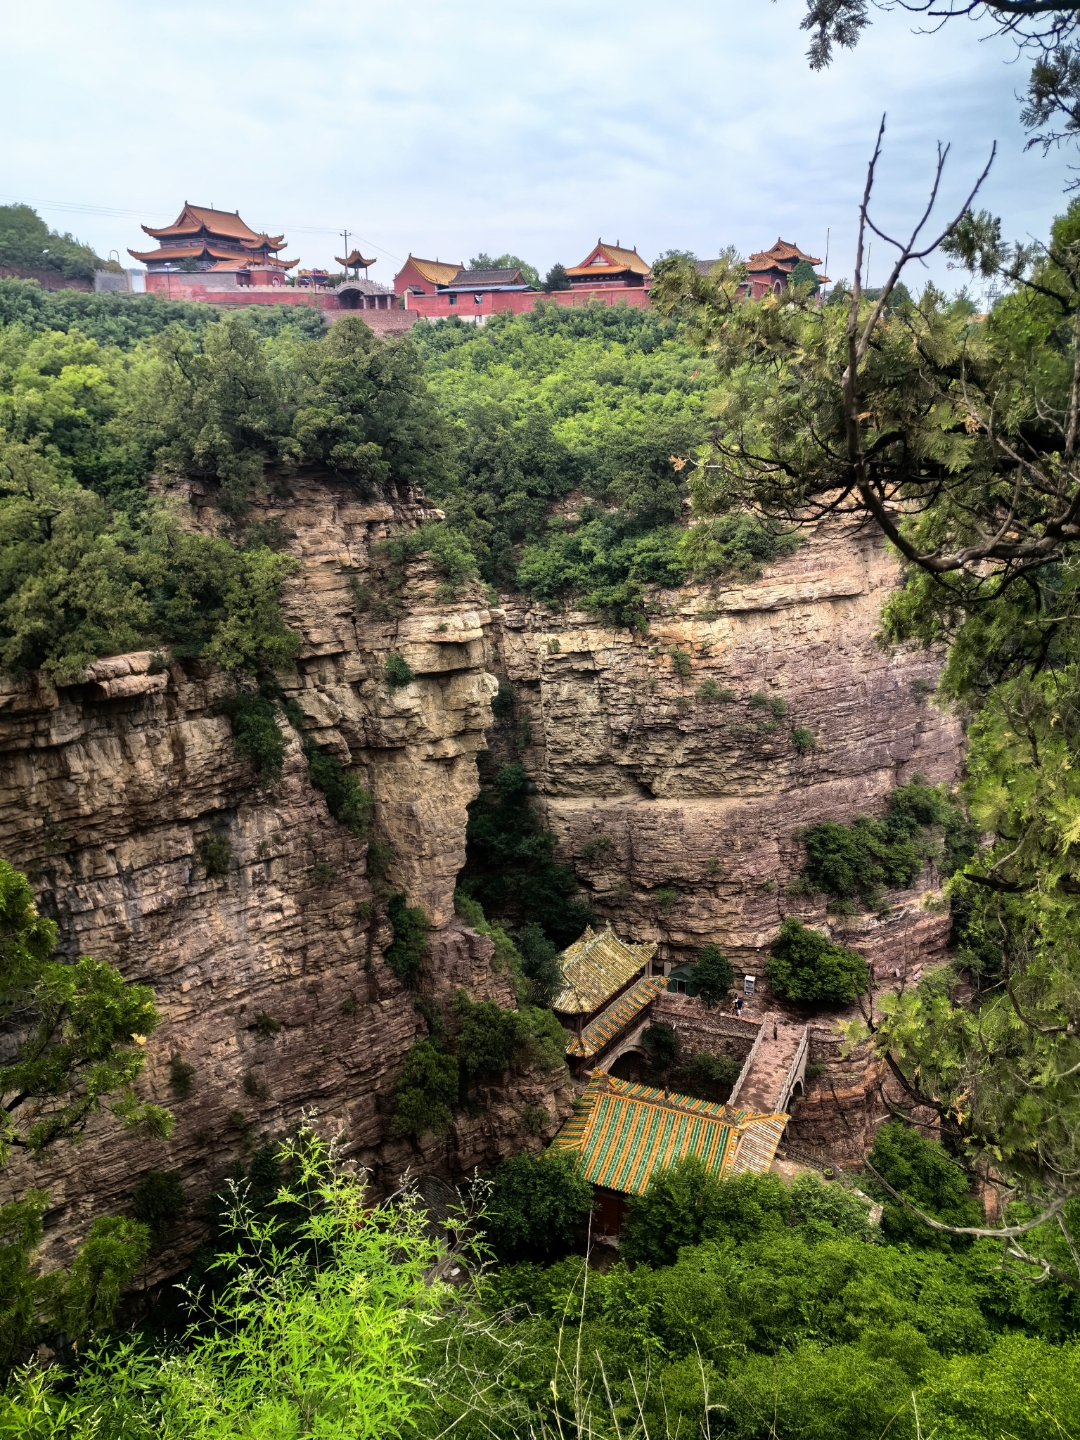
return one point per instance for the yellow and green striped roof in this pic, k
(595, 967)
(615, 1018)
(624, 1132)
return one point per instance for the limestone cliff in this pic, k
(269, 978)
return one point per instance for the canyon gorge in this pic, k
(676, 768)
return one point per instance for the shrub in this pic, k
(346, 799)
(681, 662)
(425, 1092)
(805, 966)
(180, 1076)
(708, 1076)
(158, 1199)
(502, 702)
(396, 671)
(686, 1204)
(536, 1119)
(257, 736)
(661, 1045)
(713, 693)
(858, 859)
(490, 1037)
(215, 855)
(824, 1211)
(406, 953)
(509, 867)
(713, 975)
(540, 965)
(804, 740)
(537, 1206)
(665, 899)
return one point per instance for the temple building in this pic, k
(202, 243)
(355, 262)
(605, 998)
(769, 269)
(424, 277)
(611, 265)
(622, 1133)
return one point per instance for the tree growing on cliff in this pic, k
(76, 1046)
(959, 439)
(807, 967)
(713, 976)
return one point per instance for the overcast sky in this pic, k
(450, 128)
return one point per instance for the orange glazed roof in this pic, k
(781, 251)
(197, 217)
(434, 271)
(618, 258)
(194, 250)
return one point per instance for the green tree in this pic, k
(405, 954)
(804, 274)
(713, 976)
(78, 1033)
(556, 278)
(687, 1203)
(922, 1172)
(25, 240)
(506, 262)
(807, 967)
(958, 439)
(537, 1206)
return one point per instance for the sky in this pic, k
(465, 126)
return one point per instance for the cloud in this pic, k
(446, 129)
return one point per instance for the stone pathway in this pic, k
(767, 1073)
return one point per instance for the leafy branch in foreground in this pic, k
(957, 437)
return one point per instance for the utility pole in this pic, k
(345, 236)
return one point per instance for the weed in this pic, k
(266, 1025)
(536, 1119)
(348, 1006)
(324, 874)
(553, 646)
(665, 899)
(257, 1089)
(804, 740)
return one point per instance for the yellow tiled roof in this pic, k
(618, 258)
(624, 1132)
(595, 967)
(436, 272)
(615, 1018)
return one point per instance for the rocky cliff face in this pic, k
(677, 767)
(270, 977)
(666, 765)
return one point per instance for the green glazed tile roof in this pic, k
(595, 967)
(614, 1019)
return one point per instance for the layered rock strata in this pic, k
(269, 977)
(677, 767)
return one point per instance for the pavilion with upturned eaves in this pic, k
(203, 242)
